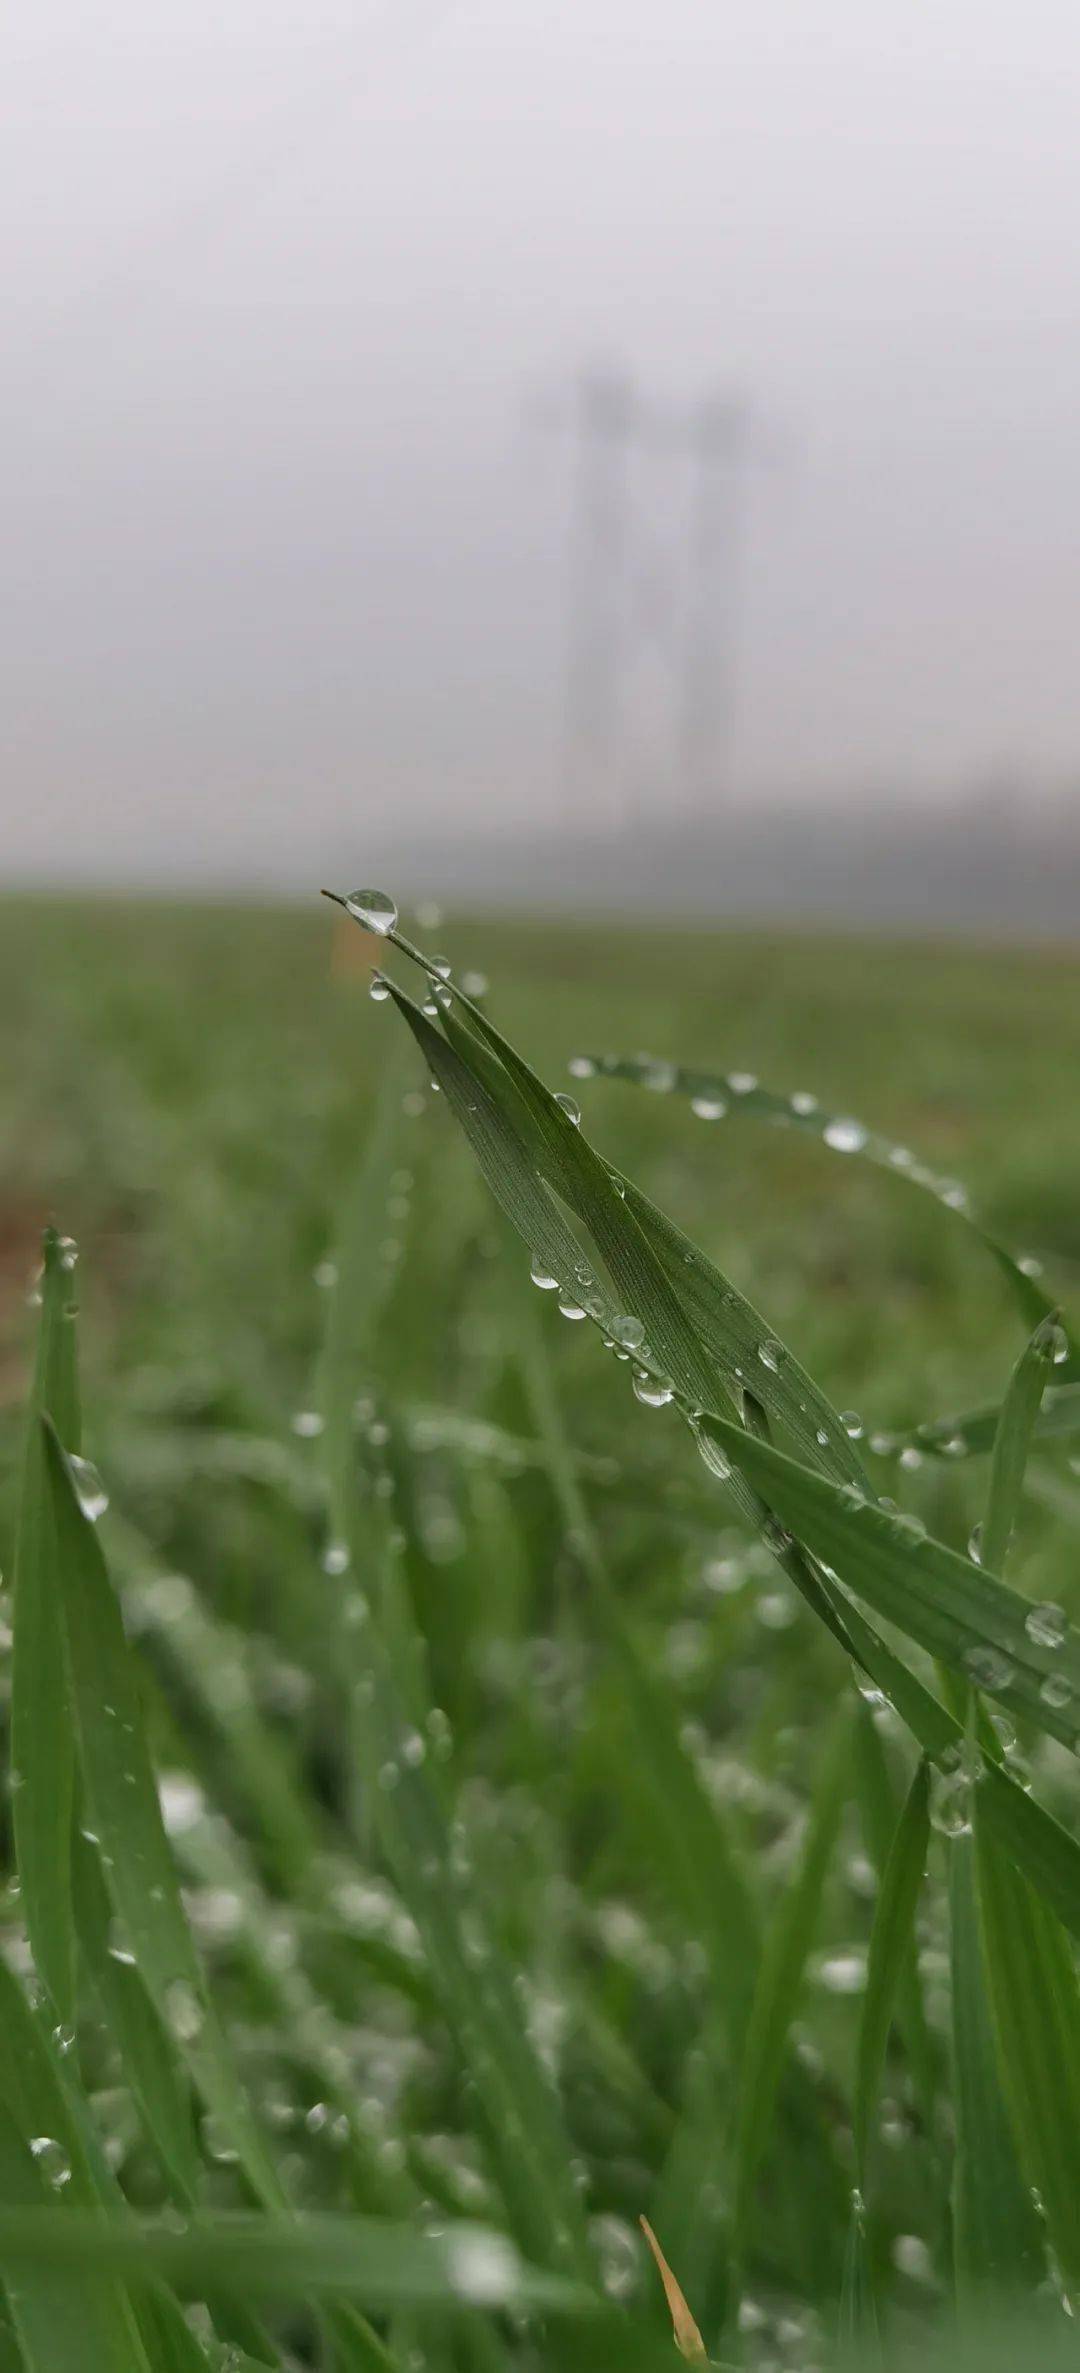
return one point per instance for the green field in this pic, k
(315, 1375)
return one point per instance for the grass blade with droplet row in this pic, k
(949, 1606)
(730, 1097)
(123, 1811)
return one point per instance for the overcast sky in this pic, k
(289, 293)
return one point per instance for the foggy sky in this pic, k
(290, 292)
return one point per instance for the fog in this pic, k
(297, 297)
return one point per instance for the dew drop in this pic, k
(52, 2160)
(374, 909)
(950, 1802)
(307, 1423)
(90, 1491)
(481, 2267)
(708, 1108)
(988, 1667)
(581, 1067)
(715, 1458)
(335, 1557)
(379, 990)
(571, 1309)
(654, 1391)
(119, 1946)
(183, 2010)
(852, 1424)
(770, 1353)
(567, 1105)
(742, 1083)
(1046, 1625)
(1055, 1691)
(540, 1277)
(803, 1103)
(845, 1136)
(975, 1544)
(628, 1331)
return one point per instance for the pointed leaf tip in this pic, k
(688, 2339)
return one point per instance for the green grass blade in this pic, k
(944, 1602)
(841, 1132)
(973, 1432)
(890, 1949)
(693, 1849)
(995, 2231)
(148, 2054)
(387, 2266)
(787, 1945)
(123, 1811)
(1046, 1853)
(1012, 1442)
(879, 1814)
(700, 1310)
(1036, 2004)
(858, 2334)
(42, 1756)
(66, 2316)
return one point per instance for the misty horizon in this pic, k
(297, 306)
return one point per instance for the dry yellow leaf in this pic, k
(687, 2337)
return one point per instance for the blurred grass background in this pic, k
(188, 1091)
(185, 1090)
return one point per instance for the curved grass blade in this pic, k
(995, 2231)
(890, 1949)
(42, 1754)
(944, 1602)
(700, 1311)
(652, 1289)
(124, 1813)
(1038, 1843)
(737, 1096)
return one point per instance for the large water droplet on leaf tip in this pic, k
(374, 909)
(91, 1493)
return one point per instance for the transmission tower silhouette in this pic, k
(659, 581)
